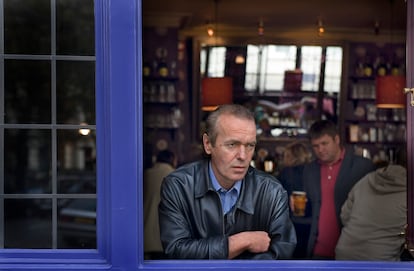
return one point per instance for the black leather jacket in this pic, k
(193, 226)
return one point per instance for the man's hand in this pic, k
(252, 241)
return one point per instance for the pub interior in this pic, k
(291, 64)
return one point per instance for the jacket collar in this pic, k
(245, 200)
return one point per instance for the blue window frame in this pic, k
(120, 162)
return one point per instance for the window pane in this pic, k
(333, 69)
(27, 26)
(276, 59)
(75, 89)
(77, 162)
(27, 161)
(203, 59)
(28, 223)
(75, 28)
(252, 67)
(217, 62)
(27, 91)
(77, 224)
(311, 67)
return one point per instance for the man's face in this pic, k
(234, 149)
(327, 148)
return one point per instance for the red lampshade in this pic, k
(216, 91)
(390, 91)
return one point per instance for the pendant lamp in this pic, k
(216, 91)
(390, 91)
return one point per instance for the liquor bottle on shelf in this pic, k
(162, 68)
(382, 68)
(146, 69)
(359, 69)
(368, 68)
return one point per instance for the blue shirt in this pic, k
(228, 197)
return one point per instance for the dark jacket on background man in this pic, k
(193, 225)
(352, 169)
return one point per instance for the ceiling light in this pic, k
(321, 28)
(239, 59)
(260, 29)
(210, 30)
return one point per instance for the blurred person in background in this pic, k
(165, 163)
(295, 156)
(375, 215)
(327, 181)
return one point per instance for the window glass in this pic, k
(333, 69)
(203, 59)
(311, 66)
(75, 32)
(75, 89)
(27, 223)
(47, 132)
(266, 65)
(27, 161)
(217, 62)
(252, 67)
(27, 92)
(76, 161)
(77, 223)
(276, 59)
(27, 28)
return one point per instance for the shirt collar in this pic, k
(216, 184)
(341, 157)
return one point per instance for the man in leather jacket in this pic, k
(221, 208)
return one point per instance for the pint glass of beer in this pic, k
(299, 203)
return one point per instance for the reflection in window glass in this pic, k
(27, 166)
(75, 92)
(311, 67)
(217, 62)
(27, 27)
(77, 223)
(47, 131)
(76, 161)
(28, 223)
(27, 91)
(75, 29)
(333, 69)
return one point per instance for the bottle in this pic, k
(146, 69)
(269, 164)
(368, 69)
(359, 69)
(162, 68)
(395, 69)
(382, 67)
